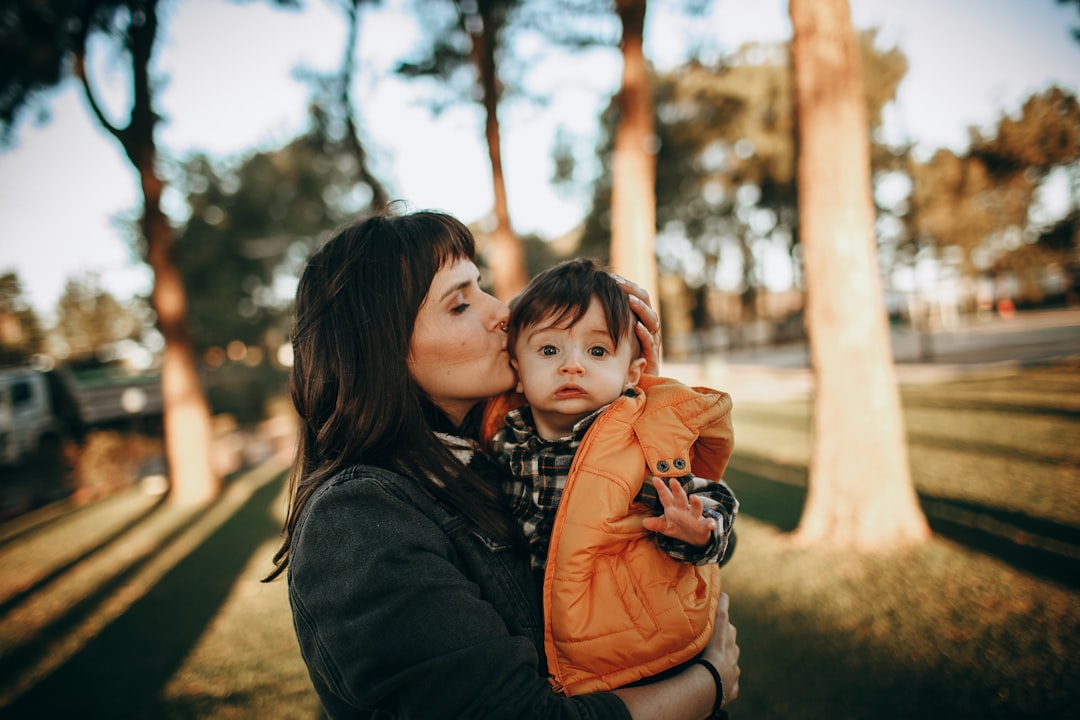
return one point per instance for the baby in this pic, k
(579, 453)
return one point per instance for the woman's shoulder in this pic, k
(368, 494)
(362, 507)
(368, 482)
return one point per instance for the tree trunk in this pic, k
(633, 163)
(860, 491)
(185, 411)
(505, 253)
(379, 198)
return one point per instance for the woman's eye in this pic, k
(598, 351)
(458, 309)
(548, 350)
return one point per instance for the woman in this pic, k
(408, 580)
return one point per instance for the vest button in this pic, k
(680, 464)
(662, 466)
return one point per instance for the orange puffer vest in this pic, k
(617, 608)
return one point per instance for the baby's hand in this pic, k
(683, 517)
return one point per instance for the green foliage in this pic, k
(726, 160)
(89, 319)
(21, 335)
(954, 201)
(332, 99)
(244, 392)
(538, 254)
(450, 56)
(225, 261)
(980, 201)
(1045, 135)
(1075, 29)
(251, 228)
(37, 41)
(252, 225)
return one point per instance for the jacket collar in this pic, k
(523, 427)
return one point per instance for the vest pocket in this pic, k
(635, 614)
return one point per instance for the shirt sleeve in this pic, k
(719, 503)
(392, 619)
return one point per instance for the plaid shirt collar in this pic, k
(523, 428)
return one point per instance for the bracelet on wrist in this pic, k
(717, 712)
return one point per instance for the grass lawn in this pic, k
(981, 622)
(131, 608)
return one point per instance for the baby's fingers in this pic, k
(677, 493)
(663, 493)
(654, 524)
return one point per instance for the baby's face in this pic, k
(567, 372)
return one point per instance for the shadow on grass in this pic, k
(39, 644)
(990, 449)
(796, 668)
(768, 491)
(1047, 549)
(13, 529)
(123, 671)
(958, 405)
(775, 493)
(27, 593)
(776, 418)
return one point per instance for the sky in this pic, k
(67, 190)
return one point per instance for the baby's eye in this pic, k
(548, 350)
(598, 351)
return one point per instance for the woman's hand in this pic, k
(691, 693)
(723, 652)
(648, 326)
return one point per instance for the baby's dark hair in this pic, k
(563, 293)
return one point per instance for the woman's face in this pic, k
(458, 349)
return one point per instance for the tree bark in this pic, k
(633, 163)
(860, 491)
(505, 253)
(185, 411)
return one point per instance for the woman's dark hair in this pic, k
(356, 306)
(563, 293)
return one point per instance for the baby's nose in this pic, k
(571, 364)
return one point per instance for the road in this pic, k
(976, 345)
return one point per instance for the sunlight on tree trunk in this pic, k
(185, 412)
(505, 253)
(633, 163)
(860, 490)
(186, 415)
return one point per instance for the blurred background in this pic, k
(167, 166)
(277, 121)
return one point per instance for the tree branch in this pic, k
(379, 197)
(80, 72)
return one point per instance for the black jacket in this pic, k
(405, 610)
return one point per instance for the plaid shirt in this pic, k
(538, 472)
